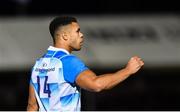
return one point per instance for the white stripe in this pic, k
(39, 102)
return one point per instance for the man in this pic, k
(57, 76)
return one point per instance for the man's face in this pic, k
(75, 36)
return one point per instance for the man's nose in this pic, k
(82, 36)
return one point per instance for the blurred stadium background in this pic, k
(114, 31)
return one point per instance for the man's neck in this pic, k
(63, 47)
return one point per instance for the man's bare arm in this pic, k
(32, 103)
(90, 81)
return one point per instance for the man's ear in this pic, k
(65, 35)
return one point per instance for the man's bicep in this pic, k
(86, 80)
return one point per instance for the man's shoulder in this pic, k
(69, 57)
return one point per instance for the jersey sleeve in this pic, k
(72, 67)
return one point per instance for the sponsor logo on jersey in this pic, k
(44, 65)
(44, 70)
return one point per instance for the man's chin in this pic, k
(77, 49)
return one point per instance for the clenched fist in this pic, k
(134, 64)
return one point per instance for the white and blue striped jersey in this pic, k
(53, 78)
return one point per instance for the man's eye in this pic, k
(78, 30)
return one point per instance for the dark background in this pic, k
(149, 89)
(54, 7)
(155, 88)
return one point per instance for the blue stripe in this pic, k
(56, 54)
(69, 99)
(45, 103)
(49, 54)
(59, 54)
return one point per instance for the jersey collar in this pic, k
(58, 49)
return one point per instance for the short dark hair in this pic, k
(58, 22)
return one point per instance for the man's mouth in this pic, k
(81, 42)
